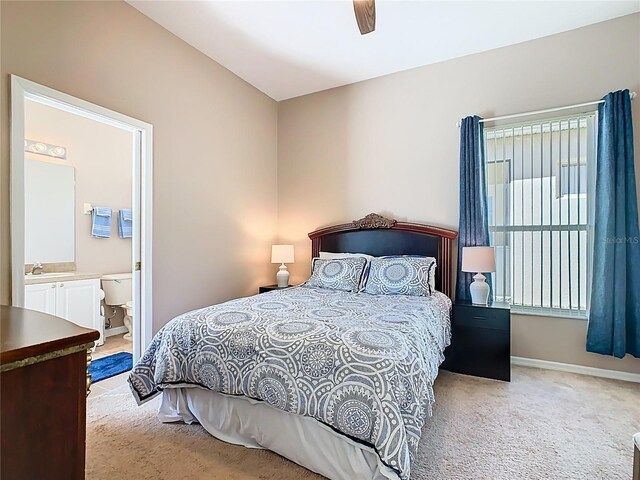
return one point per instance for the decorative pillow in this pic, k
(402, 275)
(337, 274)
(363, 279)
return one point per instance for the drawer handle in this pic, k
(479, 318)
(53, 286)
(88, 381)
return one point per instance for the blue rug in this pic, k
(107, 367)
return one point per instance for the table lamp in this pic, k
(282, 254)
(478, 259)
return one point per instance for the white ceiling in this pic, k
(291, 48)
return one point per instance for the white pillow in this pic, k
(333, 256)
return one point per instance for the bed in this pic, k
(338, 382)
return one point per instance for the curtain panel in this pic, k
(473, 228)
(614, 313)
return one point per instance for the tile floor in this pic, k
(114, 344)
(111, 345)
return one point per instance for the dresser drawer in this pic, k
(479, 317)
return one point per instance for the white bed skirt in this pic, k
(303, 440)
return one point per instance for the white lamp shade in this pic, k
(282, 254)
(478, 259)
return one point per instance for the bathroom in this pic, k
(78, 222)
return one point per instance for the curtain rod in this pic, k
(632, 95)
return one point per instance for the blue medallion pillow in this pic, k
(401, 275)
(330, 255)
(337, 273)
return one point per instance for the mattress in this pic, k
(361, 365)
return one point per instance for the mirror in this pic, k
(49, 193)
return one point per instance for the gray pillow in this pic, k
(401, 275)
(337, 273)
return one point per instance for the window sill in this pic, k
(548, 312)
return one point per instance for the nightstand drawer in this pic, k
(480, 341)
(480, 317)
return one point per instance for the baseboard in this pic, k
(571, 368)
(110, 332)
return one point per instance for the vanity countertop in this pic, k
(59, 277)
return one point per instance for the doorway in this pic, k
(60, 237)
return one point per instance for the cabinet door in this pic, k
(79, 302)
(41, 297)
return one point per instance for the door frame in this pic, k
(142, 149)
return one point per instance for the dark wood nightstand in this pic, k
(480, 341)
(268, 288)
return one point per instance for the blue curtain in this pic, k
(473, 229)
(614, 314)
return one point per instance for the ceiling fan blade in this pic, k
(365, 15)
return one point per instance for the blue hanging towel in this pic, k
(125, 223)
(101, 222)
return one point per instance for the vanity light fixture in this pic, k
(42, 148)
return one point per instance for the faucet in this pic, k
(37, 268)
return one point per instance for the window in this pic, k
(539, 182)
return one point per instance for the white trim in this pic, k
(580, 369)
(146, 198)
(547, 312)
(112, 332)
(16, 222)
(22, 89)
(48, 96)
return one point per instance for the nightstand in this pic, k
(268, 288)
(480, 341)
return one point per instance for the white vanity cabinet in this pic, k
(41, 297)
(75, 300)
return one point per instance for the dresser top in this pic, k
(27, 333)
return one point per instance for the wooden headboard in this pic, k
(376, 235)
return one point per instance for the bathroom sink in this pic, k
(51, 274)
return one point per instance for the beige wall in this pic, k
(102, 156)
(390, 145)
(387, 145)
(215, 141)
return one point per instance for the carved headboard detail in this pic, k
(373, 220)
(378, 236)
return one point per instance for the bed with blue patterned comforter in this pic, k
(362, 364)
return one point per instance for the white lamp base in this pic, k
(282, 277)
(479, 290)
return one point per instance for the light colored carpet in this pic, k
(542, 425)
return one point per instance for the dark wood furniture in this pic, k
(480, 341)
(268, 288)
(378, 236)
(44, 384)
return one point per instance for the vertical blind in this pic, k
(540, 177)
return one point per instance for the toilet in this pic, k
(128, 316)
(118, 292)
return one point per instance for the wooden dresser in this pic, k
(43, 389)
